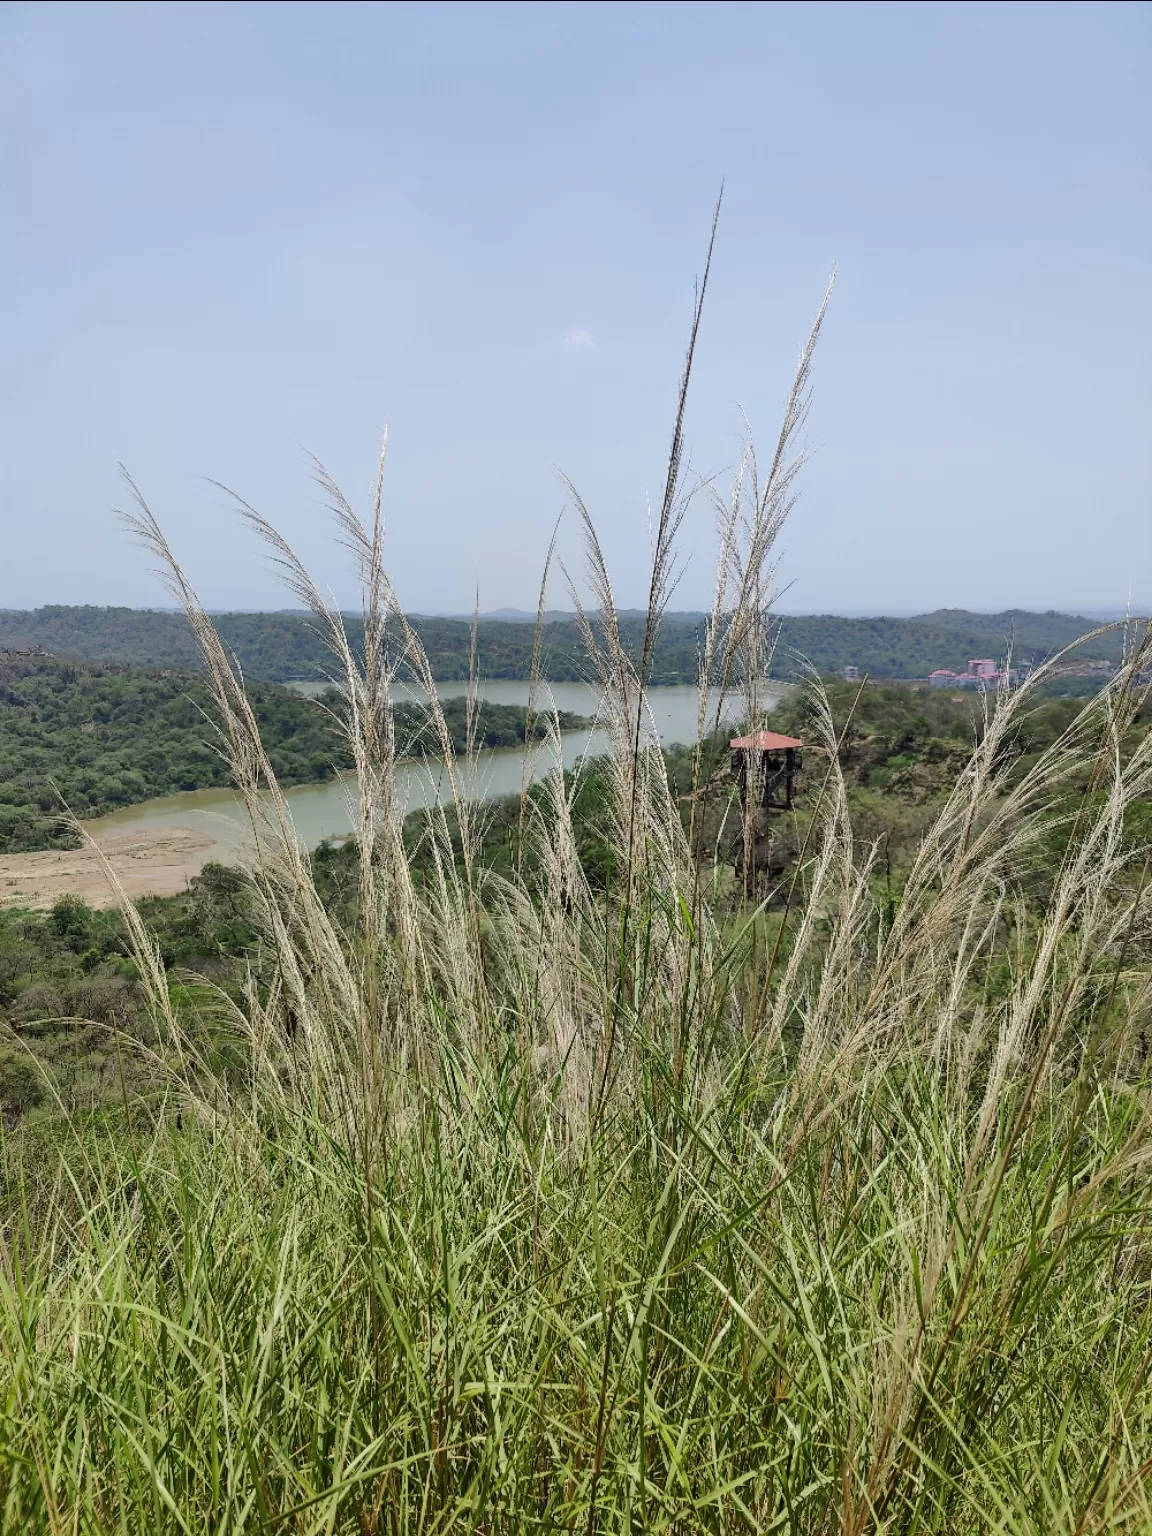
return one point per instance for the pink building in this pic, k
(983, 674)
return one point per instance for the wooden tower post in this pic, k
(765, 766)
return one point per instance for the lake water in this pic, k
(322, 810)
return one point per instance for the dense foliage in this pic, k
(98, 736)
(73, 1014)
(913, 740)
(279, 647)
(902, 748)
(948, 638)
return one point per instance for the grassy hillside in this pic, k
(567, 1203)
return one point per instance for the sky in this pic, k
(235, 236)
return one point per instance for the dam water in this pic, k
(322, 810)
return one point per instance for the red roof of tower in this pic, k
(766, 741)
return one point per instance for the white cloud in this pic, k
(579, 341)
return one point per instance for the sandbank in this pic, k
(150, 863)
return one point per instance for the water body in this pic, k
(322, 810)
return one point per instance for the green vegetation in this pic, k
(541, 1200)
(280, 647)
(948, 638)
(902, 749)
(512, 1171)
(75, 1022)
(95, 737)
(283, 647)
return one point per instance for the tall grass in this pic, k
(543, 1207)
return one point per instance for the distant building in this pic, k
(983, 674)
(851, 674)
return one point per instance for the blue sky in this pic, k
(236, 234)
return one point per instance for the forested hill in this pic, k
(278, 647)
(950, 637)
(282, 647)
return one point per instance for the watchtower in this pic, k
(765, 766)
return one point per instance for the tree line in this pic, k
(282, 647)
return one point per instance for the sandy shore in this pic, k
(158, 863)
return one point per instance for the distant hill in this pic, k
(950, 638)
(279, 647)
(554, 615)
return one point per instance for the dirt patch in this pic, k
(159, 863)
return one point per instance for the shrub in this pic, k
(21, 1083)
